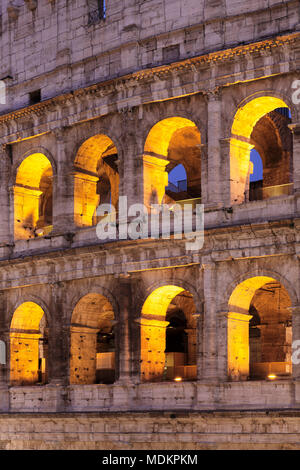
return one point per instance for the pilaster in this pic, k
(214, 107)
(295, 128)
(63, 188)
(6, 236)
(59, 338)
(209, 367)
(124, 331)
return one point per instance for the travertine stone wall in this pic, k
(193, 66)
(147, 431)
(53, 48)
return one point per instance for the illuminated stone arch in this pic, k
(34, 150)
(241, 102)
(260, 272)
(250, 114)
(155, 363)
(169, 142)
(92, 355)
(92, 285)
(96, 158)
(33, 191)
(28, 345)
(269, 299)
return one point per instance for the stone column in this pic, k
(210, 371)
(26, 210)
(155, 179)
(124, 332)
(4, 356)
(130, 163)
(295, 310)
(63, 188)
(225, 171)
(59, 338)
(131, 176)
(205, 189)
(214, 163)
(239, 170)
(86, 199)
(222, 329)
(6, 235)
(192, 345)
(199, 344)
(5, 371)
(295, 128)
(153, 345)
(83, 343)
(238, 345)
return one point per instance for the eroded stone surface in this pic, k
(112, 105)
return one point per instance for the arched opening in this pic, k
(168, 335)
(92, 357)
(33, 197)
(96, 179)
(256, 176)
(28, 345)
(259, 330)
(172, 146)
(260, 132)
(177, 181)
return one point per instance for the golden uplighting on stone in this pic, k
(96, 179)
(171, 141)
(32, 196)
(28, 348)
(241, 143)
(259, 307)
(92, 357)
(158, 361)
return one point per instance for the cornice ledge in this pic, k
(159, 72)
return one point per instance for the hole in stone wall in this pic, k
(35, 97)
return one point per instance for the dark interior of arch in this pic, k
(176, 337)
(184, 149)
(270, 332)
(272, 139)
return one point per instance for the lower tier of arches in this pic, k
(193, 396)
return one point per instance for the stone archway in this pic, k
(33, 197)
(92, 355)
(28, 345)
(262, 125)
(170, 142)
(161, 310)
(259, 334)
(95, 163)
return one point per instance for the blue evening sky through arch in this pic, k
(257, 174)
(177, 174)
(255, 158)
